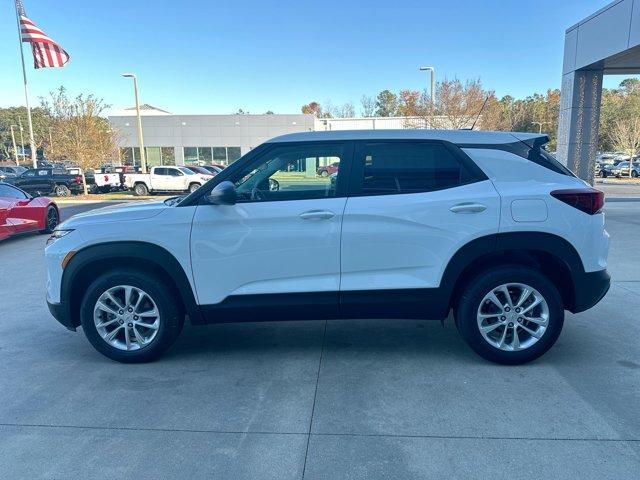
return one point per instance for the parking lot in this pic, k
(321, 400)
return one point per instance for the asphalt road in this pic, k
(323, 400)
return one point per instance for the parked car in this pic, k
(44, 181)
(622, 169)
(165, 179)
(327, 170)
(604, 170)
(200, 170)
(12, 170)
(21, 213)
(606, 158)
(98, 182)
(418, 223)
(213, 169)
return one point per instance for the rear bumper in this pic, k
(61, 313)
(589, 289)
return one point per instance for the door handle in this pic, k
(317, 215)
(468, 207)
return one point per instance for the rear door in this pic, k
(159, 179)
(411, 206)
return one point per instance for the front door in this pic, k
(280, 243)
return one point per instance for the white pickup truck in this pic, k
(165, 179)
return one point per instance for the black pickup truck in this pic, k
(47, 181)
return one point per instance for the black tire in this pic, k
(467, 307)
(193, 187)
(634, 174)
(140, 190)
(603, 174)
(324, 173)
(51, 219)
(61, 191)
(171, 315)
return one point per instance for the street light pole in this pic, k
(143, 157)
(21, 137)
(15, 149)
(433, 82)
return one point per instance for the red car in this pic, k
(21, 213)
(328, 169)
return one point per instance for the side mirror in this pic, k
(223, 194)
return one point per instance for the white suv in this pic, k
(416, 223)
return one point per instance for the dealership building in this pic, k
(220, 139)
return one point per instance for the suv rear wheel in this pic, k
(510, 315)
(130, 317)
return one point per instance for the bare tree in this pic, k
(368, 106)
(80, 134)
(625, 136)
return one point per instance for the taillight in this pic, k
(588, 200)
(78, 179)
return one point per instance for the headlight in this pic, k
(58, 234)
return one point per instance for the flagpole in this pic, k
(32, 143)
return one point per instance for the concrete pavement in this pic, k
(338, 399)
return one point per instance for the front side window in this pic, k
(396, 168)
(288, 172)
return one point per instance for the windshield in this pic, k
(186, 171)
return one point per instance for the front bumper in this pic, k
(589, 289)
(61, 313)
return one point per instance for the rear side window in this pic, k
(410, 167)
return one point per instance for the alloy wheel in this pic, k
(52, 219)
(126, 317)
(513, 316)
(61, 191)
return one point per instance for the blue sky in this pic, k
(215, 57)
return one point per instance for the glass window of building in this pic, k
(220, 155)
(233, 153)
(190, 154)
(126, 155)
(168, 156)
(136, 155)
(204, 155)
(153, 156)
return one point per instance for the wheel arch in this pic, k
(82, 268)
(552, 255)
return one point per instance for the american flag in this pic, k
(46, 52)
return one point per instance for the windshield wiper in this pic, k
(174, 200)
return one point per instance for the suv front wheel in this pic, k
(130, 317)
(510, 315)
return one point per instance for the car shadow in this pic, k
(426, 339)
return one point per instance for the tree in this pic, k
(386, 104)
(346, 110)
(368, 106)
(312, 108)
(79, 131)
(410, 103)
(15, 116)
(625, 136)
(459, 103)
